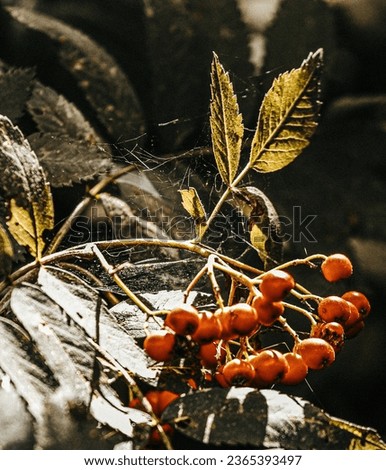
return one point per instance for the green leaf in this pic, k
(23, 185)
(193, 205)
(226, 123)
(288, 116)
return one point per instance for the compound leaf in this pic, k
(225, 122)
(24, 187)
(288, 116)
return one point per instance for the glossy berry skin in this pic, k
(276, 285)
(160, 399)
(209, 328)
(267, 311)
(225, 319)
(208, 354)
(336, 267)
(183, 320)
(159, 346)
(297, 369)
(270, 366)
(360, 301)
(238, 372)
(334, 309)
(316, 353)
(354, 324)
(241, 318)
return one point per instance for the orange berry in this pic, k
(267, 311)
(238, 372)
(316, 352)
(183, 320)
(360, 301)
(276, 284)
(297, 369)
(209, 328)
(270, 365)
(239, 319)
(159, 346)
(211, 355)
(334, 309)
(336, 267)
(332, 332)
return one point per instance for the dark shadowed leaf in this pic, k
(263, 223)
(288, 116)
(24, 188)
(104, 85)
(15, 88)
(81, 304)
(263, 419)
(70, 355)
(54, 114)
(67, 161)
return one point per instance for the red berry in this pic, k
(267, 311)
(225, 319)
(241, 319)
(336, 267)
(334, 309)
(270, 365)
(331, 332)
(353, 330)
(238, 372)
(211, 354)
(276, 284)
(297, 369)
(360, 301)
(183, 320)
(209, 328)
(160, 399)
(316, 352)
(159, 346)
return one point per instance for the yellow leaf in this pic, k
(5, 243)
(226, 123)
(6, 252)
(24, 187)
(288, 116)
(193, 205)
(362, 438)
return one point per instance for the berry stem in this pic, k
(301, 310)
(110, 270)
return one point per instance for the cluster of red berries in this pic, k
(221, 339)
